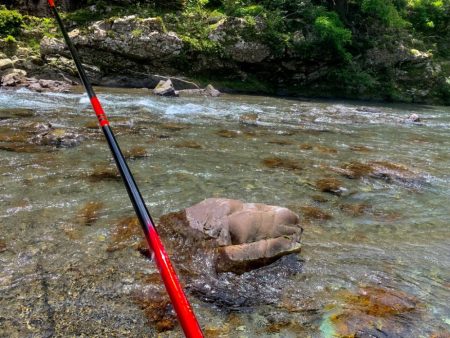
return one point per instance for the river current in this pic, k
(376, 253)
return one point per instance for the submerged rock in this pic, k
(330, 185)
(312, 213)
(126, 233)
(384, 170)
(58, 137)
(9, 113)
(135, 153)
(90, 212)
(188, 144)
(372, 311)
(157, 309)
(227, 133)
(105, 172)
(249, 119)
(282, 163)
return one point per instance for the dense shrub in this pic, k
(384, 10)
(10, 22)
(430, 15)
(331, 32)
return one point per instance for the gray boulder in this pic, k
(165, 88)
(6, 64)
(129, 36)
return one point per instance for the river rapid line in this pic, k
(376, 246)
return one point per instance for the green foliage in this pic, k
(384, 10)
(252, 10)
(10, 39)
(430, 15)
(137, 33)
(331, 32)
(40, 26)
(84, 16)
(10, 22)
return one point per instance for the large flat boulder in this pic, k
(242, 236)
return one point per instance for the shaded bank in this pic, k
(277, 48)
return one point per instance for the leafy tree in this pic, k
(331, 31)
(10, 22)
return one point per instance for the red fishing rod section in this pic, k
(183, 309)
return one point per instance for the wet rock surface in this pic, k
(3, 246)
(244, 236)
(282, 163)
(90, 212)
(383, 170)
(375, 311)
(229, 251)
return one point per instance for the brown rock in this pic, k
(24, 148)
(356, 209)
(127, 233)
(330, 185)
(90, 212)
(174, 126)
(105, 172)
(325, 150)
(360, 149)
(277, 162)
(135, 152)
(188, 144)
(250, 119)
(91, 125)
(242, 236)
(2, 246)
(250, 234)
(158, 309)
(244, 257)
(305, 146)
(280, 142)
(372, 307)
(311, 213)
(357, 170)
(227, 133)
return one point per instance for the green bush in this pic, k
(10, 39)
(330, 31)
(10, 22)
(385, 11)
(430, 15)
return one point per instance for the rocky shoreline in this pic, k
(132, 52)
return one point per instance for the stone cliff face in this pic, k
(126, 51)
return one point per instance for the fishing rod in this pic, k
(183, 309)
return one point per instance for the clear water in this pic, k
(57, 278)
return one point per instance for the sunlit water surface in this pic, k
(57, 278)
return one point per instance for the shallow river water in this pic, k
(376, 252)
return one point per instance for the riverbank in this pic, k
(315, 52)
